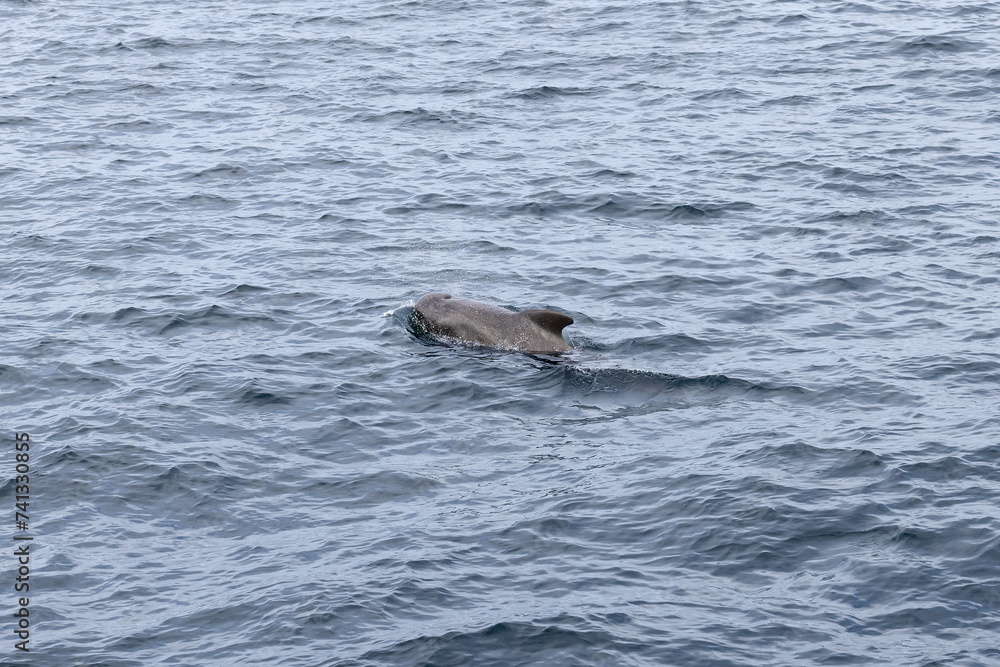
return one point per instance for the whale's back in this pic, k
(538, 331)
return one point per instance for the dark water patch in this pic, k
(609, 207)
(115, 366)
(9, 171)
(846, 188)
(861, 177)
(151, 43)
(837, 285)
(328, 20)
(631, 387)
(790, 101)
(884, 245)
(139, 88)
(101, 271)
(252, 393)
(951, 275)
(553, 92)
(759, 231)
(722, 95)
(17, 121)
(873, 87)
(936, 44)
(140, 125)
(209, 201)
(926, 209)
(476, 247)
(625, 206)
(10, 375)
(419, 116)
(991, 334)
(487, 247)
(223, 171)
(556, 639)
(430, 203)
(126, 314)
(612, 174)
(686, 212)
(437, 156)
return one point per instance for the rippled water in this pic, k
(775, 224)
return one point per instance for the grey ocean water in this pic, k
(776, 224)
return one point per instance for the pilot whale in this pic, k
(532, 331)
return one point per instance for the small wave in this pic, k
(418, 115)
(327, 20)
(837, 285)
(244, 289)
(792, 19)
(552, 92)
(613, 174)
(790, 101)
(723, 94)
(222, 171)
(562, 640)
(475, 247)
(151, 43)
(135, 126)
(213, 316)
(834, 462)
(937, 44)
(209, 201)
(252, 394)
(624, 206)
(16, 121)
(375, 488)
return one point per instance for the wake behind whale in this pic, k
(607, 389)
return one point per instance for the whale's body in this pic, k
(532, 331)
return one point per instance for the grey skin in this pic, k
(532, 331)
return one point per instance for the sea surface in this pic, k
(775, 223)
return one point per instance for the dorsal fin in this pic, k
(549, 320)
